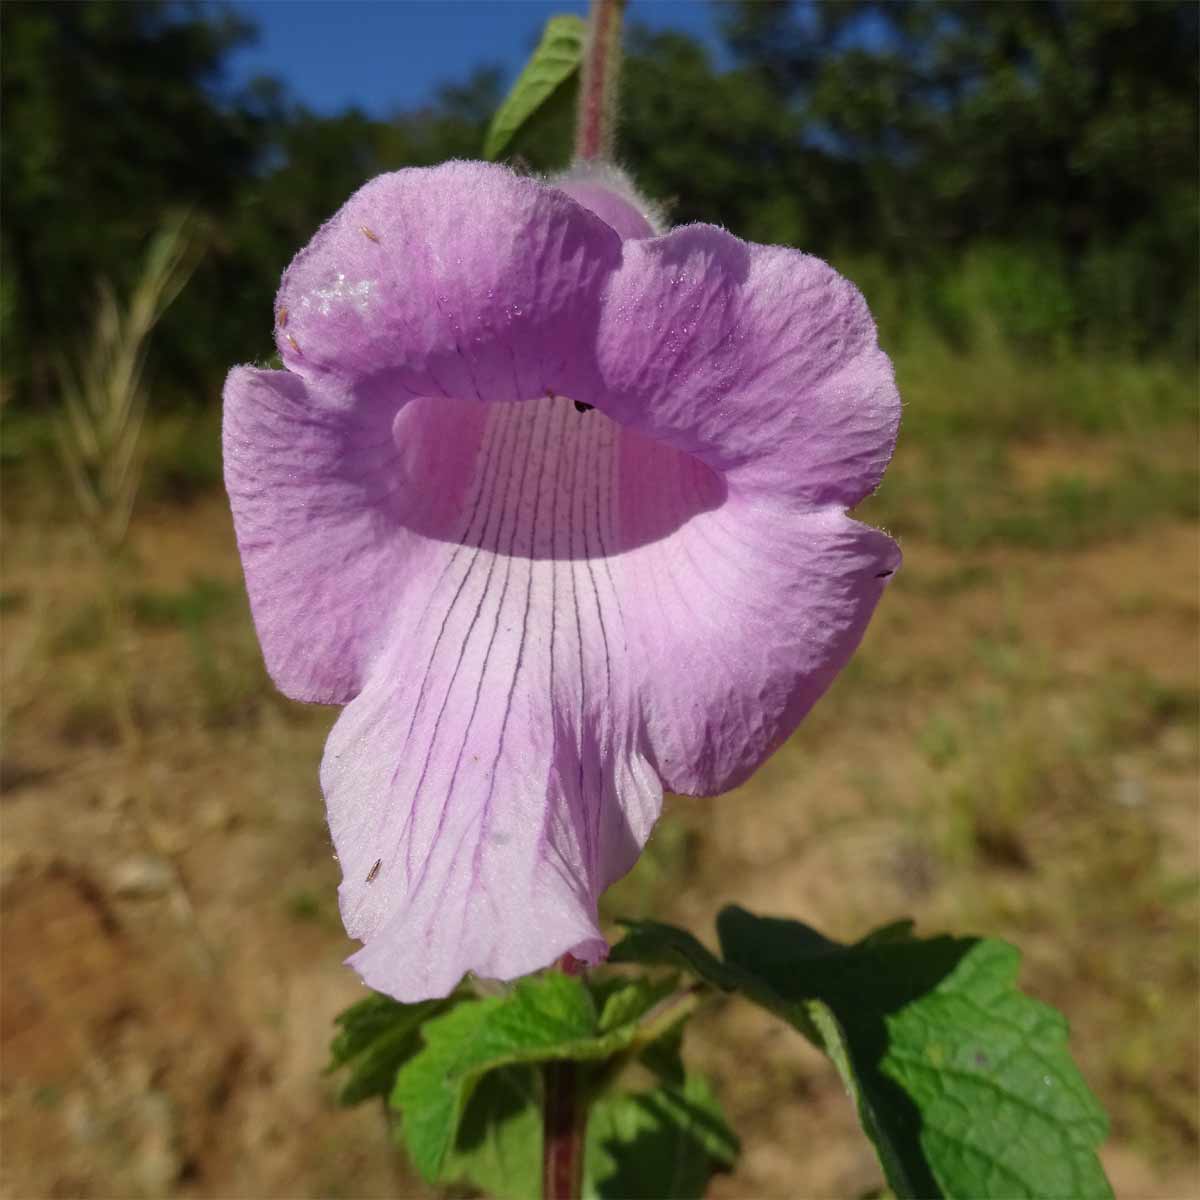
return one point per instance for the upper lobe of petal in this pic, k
(761, 361)
(471, 282)
(461, 280)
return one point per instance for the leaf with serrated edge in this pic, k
(548, 1017)
(891, 1011)
(427, 1092)
(663, 1142)
(361, 1024)
(498, 1145)
(1004, 1111)
(375, 1038)
(946, 1059)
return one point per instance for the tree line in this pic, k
(1051, 143)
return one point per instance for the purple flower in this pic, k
(538, 615)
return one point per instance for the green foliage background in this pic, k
(1013, 169)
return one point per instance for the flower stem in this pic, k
(562, 1138)
(598, 90)
(562, 1158)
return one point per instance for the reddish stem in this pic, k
(562, 1157)
(562, 1140)
(597, 96)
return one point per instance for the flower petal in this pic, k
(761, 361)
(542, 615)
(490, 780)
(764, 608)
(605, 616)
(462, 280)
(614, 208)
(309, 482)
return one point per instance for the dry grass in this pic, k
(98, 433)
(102, 388)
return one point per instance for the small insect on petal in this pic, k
(374, 870)
(368, 233)
(884, 574)
(580, 407)
(282, 318)
(295, 345)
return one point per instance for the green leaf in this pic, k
(653, 944)
(498, 1145)
(555, 60)
(376, 1037)
(645, 1018)
(964, 1084)
(622, 1001)
(434, 1086)
(554, 1016)
(664, 1055)
(548, 1017)
(977, 1046)
(661, 1143)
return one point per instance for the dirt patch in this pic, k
(173, 958)
(165, 1022)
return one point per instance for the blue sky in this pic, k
(387, 54)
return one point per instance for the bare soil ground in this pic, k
(1014, 752)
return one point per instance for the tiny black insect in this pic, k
(581, 407)
(374, 870)
(884, 574)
